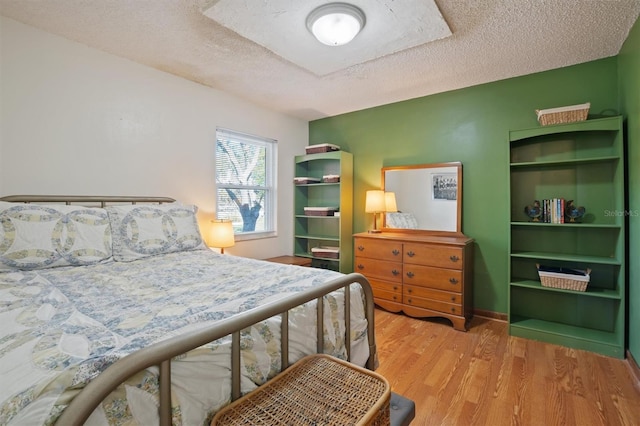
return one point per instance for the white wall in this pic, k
(75, 120)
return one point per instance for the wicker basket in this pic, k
(564, 281)
(323, 147)
(568, 114)
(317, 390)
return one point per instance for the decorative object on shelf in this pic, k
(331, 178)
(561, 115)
(534, 211)
(305, 180)
(320, 211)
(563, 278)
(323, 147)
(573, 212)
(222, 234)
(329, 252)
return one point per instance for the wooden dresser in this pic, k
(420, 275)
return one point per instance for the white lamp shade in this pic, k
(222, 234)
(335, 24)
(390, 202)
(374, 201)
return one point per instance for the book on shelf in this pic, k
(553, 210)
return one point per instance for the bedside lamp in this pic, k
(375, 203)
(222, 234)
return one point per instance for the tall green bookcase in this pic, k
(584, 162)
(325, 231)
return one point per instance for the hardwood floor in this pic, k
(486, 377)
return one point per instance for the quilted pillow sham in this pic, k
(140, 231)
(401, 221)
(34, 236)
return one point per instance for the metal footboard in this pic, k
(161, 354)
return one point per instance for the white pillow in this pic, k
(401, 221)
(147, 230)
(34, 236)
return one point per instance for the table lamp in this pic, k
(222, 234)
(375, 203)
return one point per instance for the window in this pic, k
(245, 176)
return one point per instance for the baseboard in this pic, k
(490, 314)
(633, 365)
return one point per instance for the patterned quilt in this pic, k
(61, 327)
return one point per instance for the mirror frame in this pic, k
(454, 164)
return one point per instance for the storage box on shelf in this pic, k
(320, 148)
(561, 115)
(575, 279)
(581, 161)
(323, 209)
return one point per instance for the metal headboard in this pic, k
(85, 199)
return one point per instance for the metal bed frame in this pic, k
(161, 353)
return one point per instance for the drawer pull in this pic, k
(453, 310)
(410, 254)
(361, 248)
(395, 272)
(395, 287)
(454, 258)
(395, 252)
(453, 281)
(409, 290)
(395, 297)
(453, 298)
(410, 301)
(360, 266)
(410, 274)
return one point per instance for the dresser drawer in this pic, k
(433, 255)
(377, 249)
(436, 278)
(387, 291)
(434, 305)
(428, 293)
(380, 269)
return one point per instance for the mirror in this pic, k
(428, 198)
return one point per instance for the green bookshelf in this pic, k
(325, 231)
(584, 162)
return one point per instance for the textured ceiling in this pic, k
(491, 40)
(280, 26)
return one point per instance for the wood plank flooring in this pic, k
(486, 377)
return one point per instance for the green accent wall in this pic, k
(629, 89)
(472, 126)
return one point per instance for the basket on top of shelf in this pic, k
(563, 278)
(322, 147)
(561, 115)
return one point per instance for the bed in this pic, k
(113, 311)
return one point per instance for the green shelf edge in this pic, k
(590, 292)
(311, 185)
(603, 342)
(333, 155)
(560, 163)
(566, 257)
(318, 237)
(598, 124)
(569, 225)
(316, 217)
(310, 256)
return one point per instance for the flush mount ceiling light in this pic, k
(335, 24)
